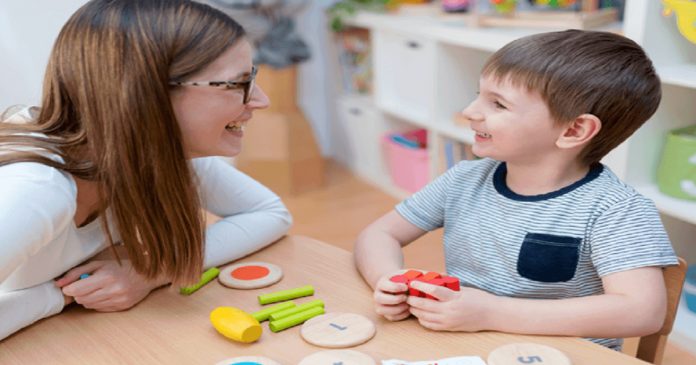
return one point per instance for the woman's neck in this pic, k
(87, 202)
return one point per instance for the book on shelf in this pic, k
(455, 151)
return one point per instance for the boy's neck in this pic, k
(542, 178)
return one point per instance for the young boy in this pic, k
(543, 238)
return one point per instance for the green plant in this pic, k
(346, 8)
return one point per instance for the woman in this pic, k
(138, 95)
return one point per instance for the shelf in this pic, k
(679, 75)
(460, 133)
(678, 208)
(684, 330)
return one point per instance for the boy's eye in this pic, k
(499, 105)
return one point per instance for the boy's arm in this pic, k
(634, 304)
(378, 248)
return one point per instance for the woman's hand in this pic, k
(110, 287)
(390, 298)
(465, 310)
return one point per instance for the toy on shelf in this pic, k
(686, 16)
(555, 3)
(557, 14)
(456, 6)
(504, 6)
(676, 173)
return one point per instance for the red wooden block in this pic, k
(430, 275)
(451, 283)
(412, 274)
(400, 279)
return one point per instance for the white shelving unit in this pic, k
(426, 69)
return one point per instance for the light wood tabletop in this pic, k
(169, 328)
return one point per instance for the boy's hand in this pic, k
(390, 299)
(465, 310)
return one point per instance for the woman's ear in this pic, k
(579, 132)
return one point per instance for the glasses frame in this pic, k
(246, 85)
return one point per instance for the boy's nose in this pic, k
(471, 114)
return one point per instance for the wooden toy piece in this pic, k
(84, 276)
(250, 275)
(300, 308)
(401, 279)
(248, 360)
(527, 353)
(343, 357)
(430, 275)
(295, 319)
(235, 324)
(412, 274)
(288, 294)
(207, 276)
(451, 283)
(264, 314)
(336, 330)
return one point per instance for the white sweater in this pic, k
(39, 240)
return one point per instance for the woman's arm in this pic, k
(252, 215)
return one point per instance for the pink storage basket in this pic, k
(409, 167)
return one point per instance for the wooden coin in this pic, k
(527, 353)
(248, 360)
(343, 357)
(250, 275)
(336, 330)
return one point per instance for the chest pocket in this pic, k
(548, 258)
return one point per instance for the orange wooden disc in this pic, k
(251, 272)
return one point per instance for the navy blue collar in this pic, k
(502, 188)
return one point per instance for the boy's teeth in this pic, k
(484, 135)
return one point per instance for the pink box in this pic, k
(409, 167)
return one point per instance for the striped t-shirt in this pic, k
(549, 246)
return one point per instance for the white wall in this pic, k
(27, 31)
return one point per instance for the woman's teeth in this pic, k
(235, 127)
(483, 135)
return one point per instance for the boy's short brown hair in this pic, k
(578, 72)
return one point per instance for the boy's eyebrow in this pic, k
(495, 94)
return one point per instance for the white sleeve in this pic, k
(20, 308)
(35, 203)
(252, 215)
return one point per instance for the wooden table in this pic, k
(168, 328)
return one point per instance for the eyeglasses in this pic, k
(247, 85)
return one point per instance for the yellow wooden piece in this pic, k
(235, 324)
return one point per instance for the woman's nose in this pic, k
(259, 99)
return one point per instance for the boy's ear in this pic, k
(579, 131)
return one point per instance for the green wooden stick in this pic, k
(207, 276)
(264, 314)
(300, 308)
(295, 319)
(282, 295)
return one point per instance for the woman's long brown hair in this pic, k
(106, 112)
